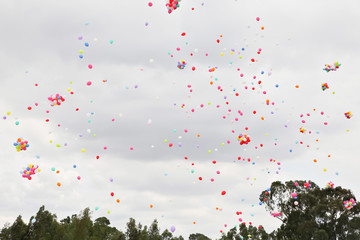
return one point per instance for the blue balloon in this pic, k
(86, 44)
(81, 56)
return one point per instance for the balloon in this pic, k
(223, 192)
(329, 68)
(21, 144)
(243, 138)
(349, 204)
(276, 214)
(294, 195)
(172, 229)
(348, 115)
(29, 171)
(324, 86)
(181, 65)
(330, 185)
(172, 5)
(56, 99)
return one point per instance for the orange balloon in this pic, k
(151, 206)
(117, 200)
(59, 184)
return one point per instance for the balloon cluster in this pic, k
(181, 65)
(349, 204)
(172, 5)
(243, 138)
(276, 214)
(334, 67)
(307, 185)
(56, 99)
(348, 115)
(29, 170)
(330, 185)
(324, 86)
(302, 130)
(21, 145)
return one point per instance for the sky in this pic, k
(165, 140)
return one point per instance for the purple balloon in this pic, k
(172, 228)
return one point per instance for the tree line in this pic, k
(305, 211)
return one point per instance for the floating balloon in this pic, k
(348, 115)
(302, 130)
(330, 185)
(29, 170)
(294, 195)
(56, 99)
(172, 5)
(181, 65)
(329, 68)
(243, 138)
(21, 145)
(172, 229)
(349, 204)
(276, 214)
(324, 86)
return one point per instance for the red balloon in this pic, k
(223, 192)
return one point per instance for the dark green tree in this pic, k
(245, 233)
(166, 235)
(102, 230)
(314, 214)
(44, 227)
(5, 232)
(82, 225)
(198, 236)
(154, 231)
(133, 232)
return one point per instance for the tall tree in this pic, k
(312, 213)
(83, 225)
(44, 227)
(198, 236)
(19, 229)
(154, 231)
(132, 231)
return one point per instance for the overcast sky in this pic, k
(143, 116)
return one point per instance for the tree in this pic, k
(102, 230)
(154, 231)
(5, 232)
(198, 236)
(132, 231)
(82, 225)
(44, 227)
(246, 233)
(166, 235)
(19, 229)
(314, 213)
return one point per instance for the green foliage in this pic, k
(44, 226)
(198, 236)
(319, 213)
